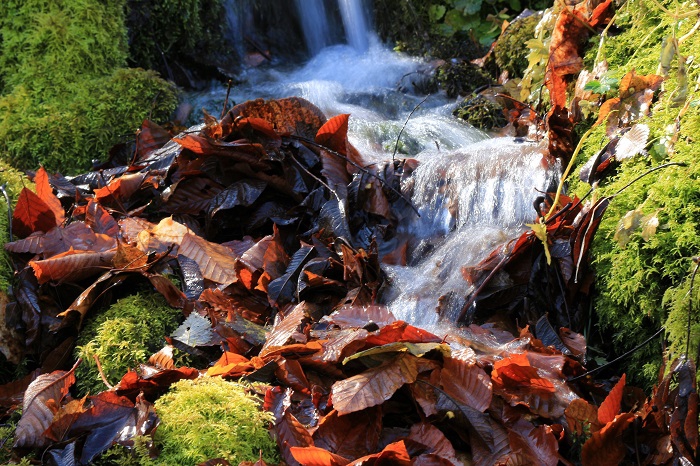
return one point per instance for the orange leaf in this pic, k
(334, 133)
(45, 193)
(230, 364)
(604, 446)
(394, 454)
(314, 456)
(120, 189)
(401, 331)
(611, 405)
(579, 414)
(31, 214)
(516, 371)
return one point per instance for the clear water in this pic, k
(473, 192)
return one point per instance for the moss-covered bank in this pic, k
(65, 96)
(644, 284)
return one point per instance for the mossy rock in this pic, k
(644, 284)
(66, 98)
(181, 39)
(510, 51)
(459, 78)
(481, 113)
(211, 418)
(122, 337)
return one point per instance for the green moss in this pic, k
(509, 51)
(481, 113)
(122, 337)
(212, 418)
(460, 78)
(66, 100)
(119, 455)
(643, 284)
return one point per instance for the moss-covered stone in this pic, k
(178, 38)
(510, 51)
(460, 78)
(122, 337)
(481, 113)
(212, 418)
(643, 284)
(66, 100)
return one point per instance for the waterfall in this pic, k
(314, 24)
(355, 23)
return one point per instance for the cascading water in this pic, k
(314, 23)
(355, 23)
(473, 192)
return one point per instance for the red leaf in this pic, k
(604, 446)
(100, 220)
(611, 405)
(72, 265)
(378, 384)
(153, 384)
(31, 214)
(45, 193)
(403, 332)
(41, 401)
(314, 456)
(516, 371)
(352, 435)
(467, 383)
(537, 443)
(433, 438)
(291, 433)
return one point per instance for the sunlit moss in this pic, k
(65, 98)
(644, 284)
(212, 418)
(510, 51)
(122, 337)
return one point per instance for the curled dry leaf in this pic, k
(72, 265)
(41, 402)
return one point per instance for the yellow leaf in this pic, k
(540, 230)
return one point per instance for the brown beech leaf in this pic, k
(315, 456)
(374, 386)
(60, 239)
(291, 374)
(12, 393)
(575, 342)
(120, 189)
(45, 193)
(97, 218)
(158, 238)
(191, 196)
(581, 416)
(150, 137)
(72, 265)
(128, 256)
(31, 214)
(436, 442)
(605, 446)
(286, 329)
(291, 433)
(351, 435)
(609, 408)
(163, 358)
(152, 382)
(538, 443)
(394, 454)
(41, 402)
(63, 419)
(216, 262)
(342, 343)
(467, 383)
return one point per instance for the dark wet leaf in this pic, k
(352, 435)
(241, 193)
(216, 262)
(281, 290)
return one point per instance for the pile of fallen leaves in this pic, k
(276, 230)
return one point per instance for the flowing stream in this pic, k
(473, 192)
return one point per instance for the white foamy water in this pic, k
(473, 193)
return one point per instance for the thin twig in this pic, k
(228, 92)
(398, 138)
(633, 350)
(102, 374)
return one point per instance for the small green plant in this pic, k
(211, 418)
(122, 337)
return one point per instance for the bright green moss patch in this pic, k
(65, 100)
(212, 418)
(644, 284)
(122, 337)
